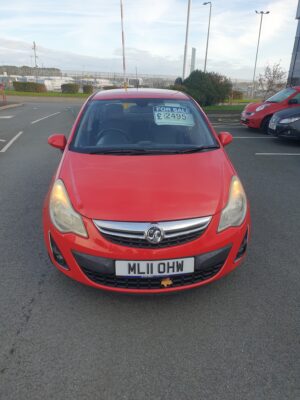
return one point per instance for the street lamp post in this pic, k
(262, 13)
(208, 32)
(186, 38)
(123, 44)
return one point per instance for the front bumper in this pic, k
(285, 131)
(252, 121)
(92, 261)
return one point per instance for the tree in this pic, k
(207, 88)
(178, 81)
(272, 80)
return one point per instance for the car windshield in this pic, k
(142, 126)
(281, 96)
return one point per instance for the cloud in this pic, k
(18, 53)
(88, 33)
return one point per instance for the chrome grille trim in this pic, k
(138, 230)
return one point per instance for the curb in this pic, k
(11, 106)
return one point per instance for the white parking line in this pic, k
(232, 125)
(6, 116)
(7, 146)
(48, 116)
(277, 154)
(251, 137)
(2, 140)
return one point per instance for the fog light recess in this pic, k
(243, 247)
(58, 257)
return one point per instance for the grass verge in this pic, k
(244, 101)
(223, 107)
(234, 107)
(46, 94)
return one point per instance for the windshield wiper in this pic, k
(130, 151)
(196, 149)
(152, 151)
(116, 151)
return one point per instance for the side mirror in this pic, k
(58, 141)
(225, 138)
(293, 101)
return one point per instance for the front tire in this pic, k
(265, 124)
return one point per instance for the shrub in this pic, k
(88, 89)
(29, 87)
(207, 88)
(178, 81)
(70, 88)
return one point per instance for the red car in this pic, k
(145, 199)
(258, 115)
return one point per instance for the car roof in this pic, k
(139, 94)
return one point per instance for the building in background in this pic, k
(294, 72)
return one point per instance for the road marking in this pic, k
(2, 140)
(251, 137)
(48, 116)
(6, 116)
(277, 154)
(226, 124)
(227, 119)
(7, 146)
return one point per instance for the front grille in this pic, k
(134, 234)
(151, 283)
(141, 243)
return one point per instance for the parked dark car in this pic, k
(286, 124)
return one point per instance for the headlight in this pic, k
(289, 120)
(62, 214)
(235, 211)
(262, 107)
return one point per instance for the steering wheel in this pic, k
(104, 131)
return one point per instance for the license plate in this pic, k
(155, 268)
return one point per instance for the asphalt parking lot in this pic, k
(236, 339)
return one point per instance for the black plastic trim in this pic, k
(102, 271)
(57, 254)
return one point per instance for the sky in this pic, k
(86, 35)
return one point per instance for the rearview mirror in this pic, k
(293, 101)
(58, 141)
(225, 138)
